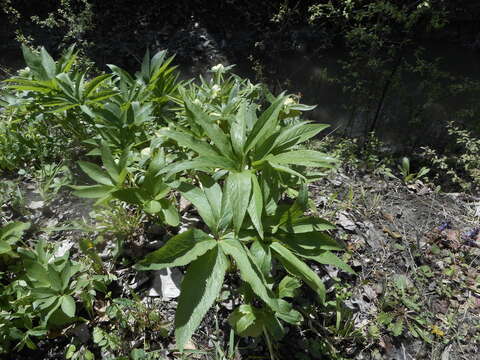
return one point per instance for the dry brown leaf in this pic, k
(388, 217)
(393, 234)
(453, 238)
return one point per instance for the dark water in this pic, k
(412, 114)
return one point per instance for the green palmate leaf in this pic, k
(131, 195)
(47, 63)
(67, 86)
(53, 309)
(265, 124)
(238, 189)
(200, 287)
(286, 216)
(152, 207)
(216, 135)
(201, 163)
(327, 258)
(309, 241)
(198, 198)
(37, 272)
(68, 306)
(295, 134)
(101, 95)
(45, 302)
(304, 158)
(109, 163)
(308, 224)
(238, 130)
(67, 274)
(249, 271)
(122, 74)
(180, 250)
(199, 146)
(13, 229)
(157, 162)
(286, 169)
(95, 83)
(170, 213)
(302, 107)
(145, 72)
(271, 189)
(67, 60)
(32, 60)
(214, 196)
(255, 208)
(93, 192)
(272, 324)
(43, 292)
(96, 173)
(245, 322)
(288, 287)
(288, 314)
(4, 247)
(34, 86)
(54, 279)
(309, 131)
(262, 256)
(299, 269)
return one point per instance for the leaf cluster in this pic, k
(40, 289)
(232, 149)
(234, 160)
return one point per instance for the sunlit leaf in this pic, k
(200, 287)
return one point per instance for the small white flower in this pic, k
(424, 4)
(215, 90)
(24, 71)
(218, 68)
(145, 152)
(197, 102)
(289, 101)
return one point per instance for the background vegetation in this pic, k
(133, 153)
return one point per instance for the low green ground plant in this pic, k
(232, 149)
(408, 175)
(51, 178)
(458, 165)
(40, 289)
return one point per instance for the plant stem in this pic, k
(269, 344)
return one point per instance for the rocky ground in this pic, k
(415, 295)
(416, 253)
